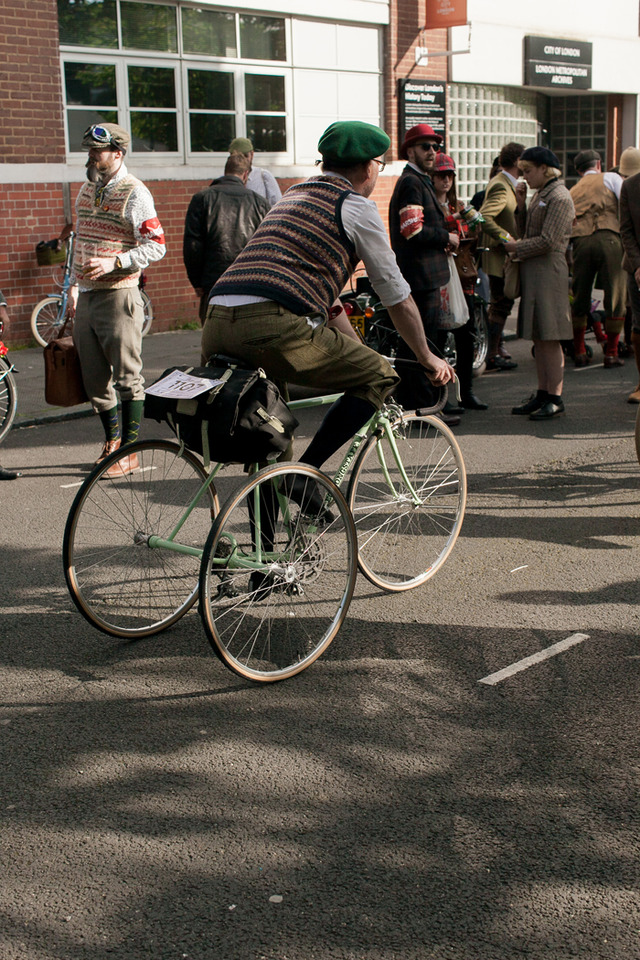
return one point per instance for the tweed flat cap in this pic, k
(105, 135)
(585, 158)
(352, 141)
(241, 145)
(540, 156)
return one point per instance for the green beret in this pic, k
(352, 141)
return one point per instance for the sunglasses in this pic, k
(98, 133)
(428, 146)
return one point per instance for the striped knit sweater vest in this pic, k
(299, 256)
(103, 231)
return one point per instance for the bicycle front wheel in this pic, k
(637, 435)
(8, 399)
(480, 334)
(120, 579)
(46, 319)
(407, 528)
(276, 582)
(147, 307)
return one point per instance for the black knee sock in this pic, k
(109, 420)
(346, 416)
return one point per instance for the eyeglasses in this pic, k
(98, 133)
(428, 146)
(382, 163)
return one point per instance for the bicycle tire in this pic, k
(8, 399)
(271, 623)
(480, 335)
(46, 320)
(147, 307)
(402, 544)
(637, 435)
(118, 582)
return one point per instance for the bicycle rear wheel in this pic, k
(405, 533)
(147, 306)
(637, 435)
(119, 581)
(272, 602)
(46, 320)
(8, 399)
(480, 333)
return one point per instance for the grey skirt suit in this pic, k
(545, 229)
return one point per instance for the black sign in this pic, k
(423, 101)
(561, 64)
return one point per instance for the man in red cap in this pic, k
(420, 241)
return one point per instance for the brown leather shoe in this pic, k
(613, 361)
(634, 396)
(110, 446)
(123, 466)
(581, 359)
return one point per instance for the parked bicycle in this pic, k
(48, 316)
(274, 582)
(8, 390)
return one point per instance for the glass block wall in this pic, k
(481, 120)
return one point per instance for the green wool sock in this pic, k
(109, 420)
(131, 417)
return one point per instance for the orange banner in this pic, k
(445, 13)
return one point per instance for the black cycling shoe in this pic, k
(305, 492)
(9, 474)
(471, 402)
(529, 406)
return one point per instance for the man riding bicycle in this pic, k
(277, 305)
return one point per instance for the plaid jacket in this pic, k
(418, 231)
(546, 225)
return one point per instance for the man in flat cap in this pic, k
(117, 235)
(420, 241)
(277, 305)
(597, 252)
(260, 180)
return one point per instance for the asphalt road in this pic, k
(384, 805)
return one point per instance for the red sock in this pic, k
(578, 340)
(599, 331)
(611, 349)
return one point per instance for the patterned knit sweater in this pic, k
(300, 255)
(118, 220)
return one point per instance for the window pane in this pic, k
(79, 120)
(90, 83)
(267, 133)
(262, 38)
(88, 23)
(210, 90)
(211, 132)
(149, 26)
(154, 132)
(264, 93)
(210, 32)
(152, 87)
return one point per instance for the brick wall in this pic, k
(403, 35)
(30, 92)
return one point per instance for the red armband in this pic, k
(411, 220)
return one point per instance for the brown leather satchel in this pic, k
(465, 261)
(63, 386)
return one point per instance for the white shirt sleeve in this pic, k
(614, 183)
(364, 227)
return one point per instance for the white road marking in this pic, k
(527, 662)
(523, 567)
(65, 486)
